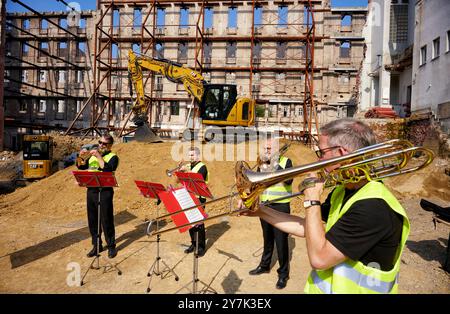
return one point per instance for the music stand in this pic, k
(100, 180)
(173, 203)
(194, 183)
(151, 190)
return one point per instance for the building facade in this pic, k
(407, 61)
(431, 61)
(257, 45)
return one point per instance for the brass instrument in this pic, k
(170, 172)
(375, 162)
(83, 158)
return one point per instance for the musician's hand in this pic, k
(95, 153)
(82, 152)
(314, 192)
(183, 168)
(252, 213)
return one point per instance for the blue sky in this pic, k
(54, 5)
(48, 5)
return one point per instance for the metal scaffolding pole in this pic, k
(45, 18)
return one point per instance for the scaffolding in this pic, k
(105, 35)
(24, 36)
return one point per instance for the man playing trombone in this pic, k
(360, 248)
(197, 166)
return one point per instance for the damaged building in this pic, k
(69, 71)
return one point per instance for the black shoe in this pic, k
(281, 283)
(112, 252)
(93, 252)
(201, 252)
(189, 249)
(259, 270)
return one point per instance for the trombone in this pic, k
(375, 162)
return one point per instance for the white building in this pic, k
(431, 60)
(407, 59)
(386, 72)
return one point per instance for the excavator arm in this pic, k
(192, 80)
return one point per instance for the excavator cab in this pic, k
(37, 156)
(221, 106)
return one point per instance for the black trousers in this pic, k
(273, 236)
(200, 228)
(106, 215)
(201, 236)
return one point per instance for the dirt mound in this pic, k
(10, 165)
(44, 230)
(429, 182)
(59, 193)
(65, 145)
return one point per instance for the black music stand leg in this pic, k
(97, 257)
(154, 269)
(195, 280)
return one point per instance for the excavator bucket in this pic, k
(144, 133)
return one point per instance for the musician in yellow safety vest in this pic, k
(101, 159)
(197, 166)
(272, 161)
(359, 249)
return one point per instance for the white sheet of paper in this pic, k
(185, 200)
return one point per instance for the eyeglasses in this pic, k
(103, 143)
(321, 152)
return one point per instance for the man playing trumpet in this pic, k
(197, 166)
(101, 159)
(359, 250)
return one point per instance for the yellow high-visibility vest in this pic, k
(278, 190)
(197, 168)
(94, 164)
(353, 276)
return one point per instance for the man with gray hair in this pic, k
(360, 248)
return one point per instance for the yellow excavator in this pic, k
(37, 156)
(218, 104)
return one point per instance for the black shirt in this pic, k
(369, 232)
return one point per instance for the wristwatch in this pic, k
(307, 203)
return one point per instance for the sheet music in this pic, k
(185, 200)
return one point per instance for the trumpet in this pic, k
(375, 162)
(83, 158)
(170, 172)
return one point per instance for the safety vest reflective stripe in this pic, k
(94, 164)
(325, 287)
(278, 190)
(353, 276)
(364, 281)
(196, 169)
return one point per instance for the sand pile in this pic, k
(44, 228)
(65, 145)
(59, 194)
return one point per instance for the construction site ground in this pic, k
(45, 238)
